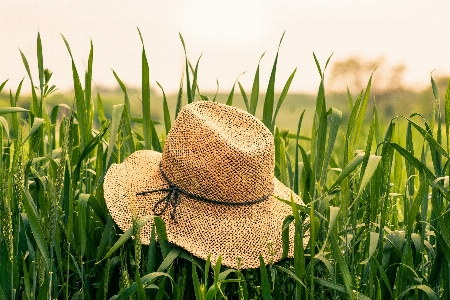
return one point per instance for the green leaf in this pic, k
(36, 124)
(162, 236)
(421, 167)
(371, 167)
(373, 243)
(82, 220)
(265, 284)
(168, 260)
(179, 98)
(36, 229)
(2, 85)
(244, 96)
(433, 143)
(5, 126)
(231, 95)
(283, 95)
(9, 110)
(296, 167)
(146, 281)
(35, 105)
(255, 90)
(430, 293)
(141, 295)
(335, 117)
(342, 264)
(80, 101)
(270, 94)
(198, 289)
(435, 89)
(146, 97)
(125, 237)
(356, 161)
(167, 122)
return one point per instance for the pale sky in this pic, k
(232, 35)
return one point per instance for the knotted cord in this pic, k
(173, 198)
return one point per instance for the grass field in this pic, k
(375, 188)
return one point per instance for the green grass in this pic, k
(375, 192)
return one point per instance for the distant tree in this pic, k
(354, 72)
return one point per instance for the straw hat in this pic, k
(213, 185)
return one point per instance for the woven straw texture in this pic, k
(221, 153)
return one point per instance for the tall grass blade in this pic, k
(179, 97)
(296, 166)
(255, 89)
(342, 264)
(270, 93)
(335, 117)
(79, 100)
(231, 95)
(88, 91)
(2, 85)
(146, 116)
(283, 95)
(36, 124)
(244, 97)
(265, 284)
(371, 167)
(126, 114)
(36, 229)
(167, 122)
(35, 105)
(356, 131)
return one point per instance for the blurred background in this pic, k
(405, 40)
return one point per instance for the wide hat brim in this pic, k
(238, 233)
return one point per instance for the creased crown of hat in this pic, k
(213, 185)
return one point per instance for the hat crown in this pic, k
(219, 152)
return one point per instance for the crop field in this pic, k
(375, 190)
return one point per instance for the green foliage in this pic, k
(377, 219)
